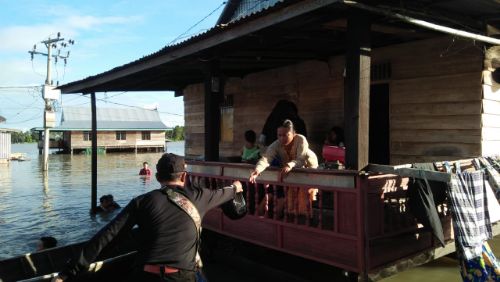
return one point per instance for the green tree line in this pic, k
(175, 134)
(24, 137)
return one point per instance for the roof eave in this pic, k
(217, 36)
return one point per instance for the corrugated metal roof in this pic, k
(195, 38)
(167, 53)
(111, 119)
(249, 7)
(237, 9)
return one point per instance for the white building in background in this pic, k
(5, 141)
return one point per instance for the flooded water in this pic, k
(443, 269)
(33, 205)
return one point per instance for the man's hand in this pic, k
(239, 187)
(253, 176)
(285, 170)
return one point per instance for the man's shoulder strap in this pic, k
(186, 205)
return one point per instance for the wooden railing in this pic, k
(355, 221)
(327, 228)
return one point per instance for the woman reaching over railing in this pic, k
(290, 150)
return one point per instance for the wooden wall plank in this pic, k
(194, 108)
(407, 159)
(431, 57)
(436, 122)
(435, 89)
(435, 149)
(437, 109)
(472, 136)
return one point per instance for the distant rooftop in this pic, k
(74, 118)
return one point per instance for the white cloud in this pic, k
(20, 72)
(90, 22)
(16, 38)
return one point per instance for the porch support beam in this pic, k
(94, 151)
(357, 91)
(214, 86)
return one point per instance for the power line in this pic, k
(37, 116)
(22, 110)
(20, 87)
(197, 23)
(125, 105)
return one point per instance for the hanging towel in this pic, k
(484, 268)
(493, 176)
(438, 188)
(493, 205)
(422, 206)
(471, 220)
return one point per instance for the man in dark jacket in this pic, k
(168, 238)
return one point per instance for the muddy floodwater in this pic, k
(33, 204)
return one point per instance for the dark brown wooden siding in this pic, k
(435, 100)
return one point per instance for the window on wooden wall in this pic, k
(146, 135)
(87, 136)
(380, 71)
(121, 135)
(226, 119)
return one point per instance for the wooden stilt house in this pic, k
(409, 81)
(135, 130)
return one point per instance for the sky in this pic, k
(107, 34)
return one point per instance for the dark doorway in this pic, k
(379, 124)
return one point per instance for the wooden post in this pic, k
(357, 91)
(213, 92)
(94, 151)
(40, 138)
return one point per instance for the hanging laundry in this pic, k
(493, 206)
(483, 268)
(423, 196)
(469, 206)
(493, 175)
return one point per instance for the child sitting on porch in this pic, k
(335, 137)
(250, 152)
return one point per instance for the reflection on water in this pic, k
(57, 203)
(443, 269)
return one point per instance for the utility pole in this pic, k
(49, 93)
